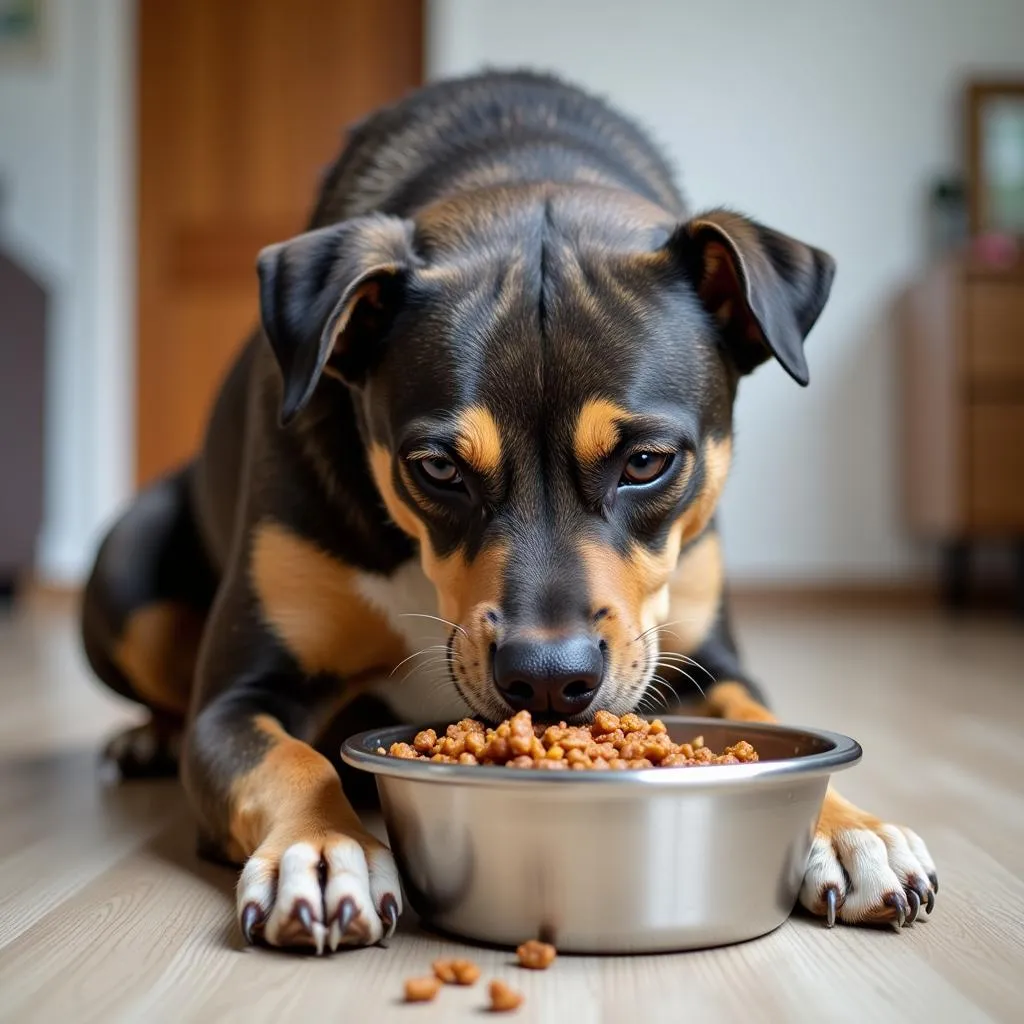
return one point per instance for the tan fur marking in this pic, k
(734, 701)
(634, 586)
(311, 602)
(463, 585)
(838, 814)
(596, 431)
(478, 440)
(292, 795)
(157, 653)
(403, 516)
(717, 459)
(695, 593)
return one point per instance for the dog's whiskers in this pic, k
(436, 618)
(416, 654)
(686, 659)
(675, 668)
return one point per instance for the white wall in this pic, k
(826, 120)
(66, 165)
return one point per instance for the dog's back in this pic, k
(487, 130)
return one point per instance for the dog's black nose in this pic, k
(560, 675)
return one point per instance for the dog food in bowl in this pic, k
(610, 742)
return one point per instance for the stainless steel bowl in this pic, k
(609, 862)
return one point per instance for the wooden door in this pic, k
(242, 104)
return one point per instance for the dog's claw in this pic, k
(934, 879)
(346, 914)
(930, 898)
(897, 901)
(305, 915)
(915, 905)
(831, 899)
(251, 917)
(389, 913)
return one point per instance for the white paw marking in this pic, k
(878, 873)
(328, 893)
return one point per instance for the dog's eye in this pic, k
(645, 467)
(441, 472)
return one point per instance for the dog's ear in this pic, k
(764, 289)
(327, 296)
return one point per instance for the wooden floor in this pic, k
(106, 914)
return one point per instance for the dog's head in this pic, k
(544, 378)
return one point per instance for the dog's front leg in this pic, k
(861, 870)
(312, 875)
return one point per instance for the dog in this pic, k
(488, 416)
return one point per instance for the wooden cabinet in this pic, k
(963, 396)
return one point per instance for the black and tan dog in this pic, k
(488, 417)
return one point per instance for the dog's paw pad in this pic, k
(321, 894)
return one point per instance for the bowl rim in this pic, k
(359, 751)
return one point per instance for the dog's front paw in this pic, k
(320, 891)
(862, 871)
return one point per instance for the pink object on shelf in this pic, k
(996, 249)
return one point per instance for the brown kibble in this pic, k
(553, 734)
(742, 751)
(536, 955)
(421, 990)
(456, 972)
(444, 970)
(466, 972)
(498, 750)
(629, 742)
(503, 998)
(425, 741)
(521, 744)
(403, 750)
(632, 749)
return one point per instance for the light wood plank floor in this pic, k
(106, 914)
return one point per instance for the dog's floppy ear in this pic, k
(326, 296)
(764, 289)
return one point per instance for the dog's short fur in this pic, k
(501, 317)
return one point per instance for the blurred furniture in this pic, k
(22, 355)
(242, 104)
(995, 156)
(963, 396)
